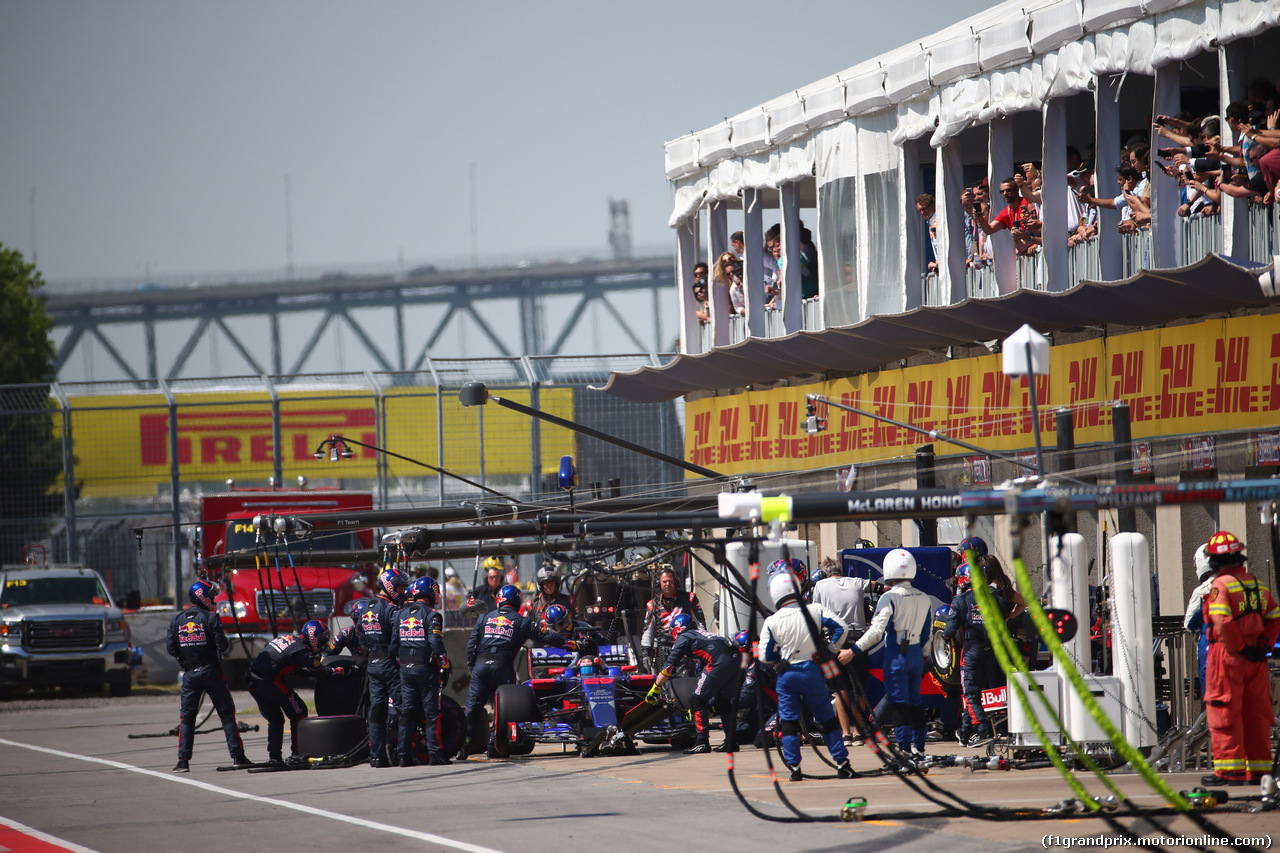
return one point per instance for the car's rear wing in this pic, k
(614, 655)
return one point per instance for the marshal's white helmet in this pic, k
(1203, 569)
(899, 565)
(782, 586)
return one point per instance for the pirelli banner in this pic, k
(1201, 378)
(122, 441)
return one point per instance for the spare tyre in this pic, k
(345, 736)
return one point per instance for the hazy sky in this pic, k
(157, 135)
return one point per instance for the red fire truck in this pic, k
(290, 582)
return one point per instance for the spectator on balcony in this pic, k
(772, 265)
(728, 275)
(1235, 183)
(808, 264)
(1251, 148)
(1086, 222)
(977, 251)
(701, 308)
(1140, 159)
(736, 244)
(1018, 216)
(1127, 177)
(927, 207)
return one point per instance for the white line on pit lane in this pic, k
(355, 821)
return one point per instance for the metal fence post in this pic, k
(277, 437)
(435, 377)
(68, 474)
(175, 484)
(535, 429)
(380, 430)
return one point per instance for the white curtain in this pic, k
(837, 169)
(880, 218)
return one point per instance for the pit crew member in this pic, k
(417, 644)
(717, 681)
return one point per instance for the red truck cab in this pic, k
(291, 579)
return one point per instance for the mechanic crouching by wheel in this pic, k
(787, 643)
(276, 700)
(670, 602)
(417, 642)
(375, 626)
(196, 639)
(491, 654)
(717, 681)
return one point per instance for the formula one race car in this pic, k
(582, 702)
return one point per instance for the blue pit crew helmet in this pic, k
(557, 618)
(424, 589)
(392, 584)
(202, 594)
(508, 596)
(743, 639)
(315, 636)
(679, 623)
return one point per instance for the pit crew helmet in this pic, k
(679, 623)
(557, 618)
(977, 543)
(424, 589)
(899, 565)
(793, 565)
(315, 636)
(1203, 569)
(548, 573)
(743, 639)
(202, 594)
(392, 584)
(815, 576)
(493, 563)
(782, 586)
(508, 596)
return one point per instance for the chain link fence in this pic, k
(110, 474)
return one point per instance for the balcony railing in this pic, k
(773, 325)
(1198, 236)
(811, 309)
(1263, 244)
(1201, 235)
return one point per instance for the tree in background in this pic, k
(30, 452)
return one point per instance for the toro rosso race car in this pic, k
(586, 703)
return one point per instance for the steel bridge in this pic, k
(412, 314)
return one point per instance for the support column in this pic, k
(951, 250)
(1053, 195)
(1235, 211)
(718, 221)
(792, 316)
(686, 257)
(753, 259)
(999, 167)
(1106, 159)
(1166, 231)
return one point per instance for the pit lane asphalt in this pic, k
(71, 771)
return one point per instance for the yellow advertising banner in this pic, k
(123, 439)
(1203, 378)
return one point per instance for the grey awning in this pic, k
(1212, 285)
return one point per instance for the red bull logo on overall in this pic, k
(412, 628)
(500, 626)
(191, 634)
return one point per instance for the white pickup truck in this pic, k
(58, 626)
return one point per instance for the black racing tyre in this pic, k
(451, 730)
(683, 739)
(513, 703)
(330, 737)
(944, 659)
(682, 691)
